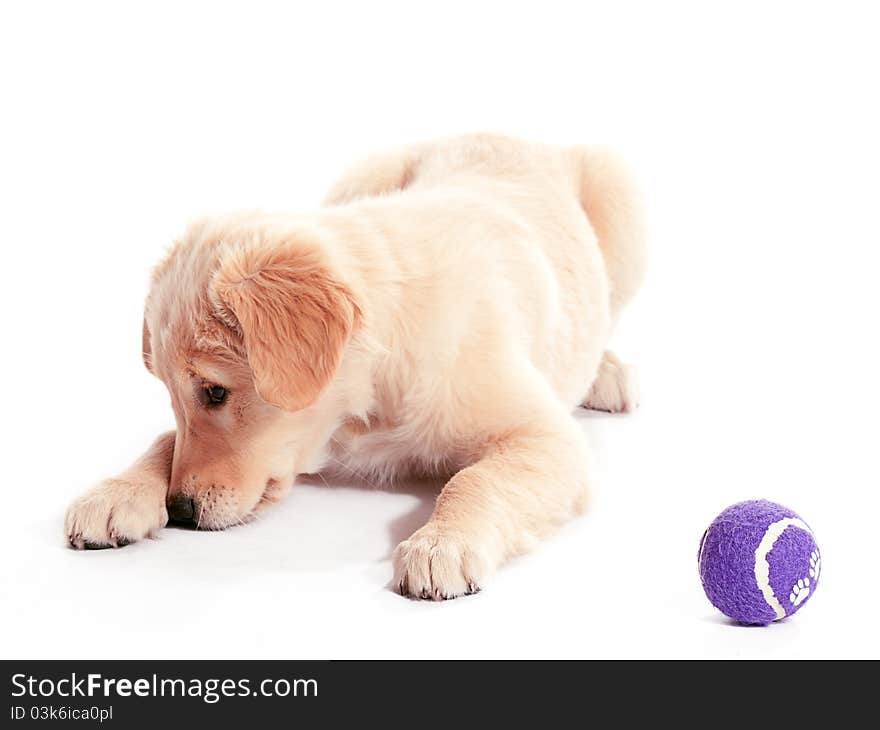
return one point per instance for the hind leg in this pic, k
(615, 388)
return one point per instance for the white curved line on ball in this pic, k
(762, 567)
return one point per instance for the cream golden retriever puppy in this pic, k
(444, 313)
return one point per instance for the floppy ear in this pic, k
(293, 315)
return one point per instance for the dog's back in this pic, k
(542, 214)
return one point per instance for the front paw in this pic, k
(439, 564)
(115, 513)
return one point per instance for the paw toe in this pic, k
(437, 567)
(615, 389)
(114, 514)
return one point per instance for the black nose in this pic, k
(181, 509)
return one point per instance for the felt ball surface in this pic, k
(759, 562)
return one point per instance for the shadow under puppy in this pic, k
(443, 312)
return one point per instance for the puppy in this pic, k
(443, 312)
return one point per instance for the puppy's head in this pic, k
(246, 328)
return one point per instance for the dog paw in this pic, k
(115, 513)
(799, 592)
(616, 387)
(437, 566)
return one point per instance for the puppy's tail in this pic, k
(612, 203)
(381, 174)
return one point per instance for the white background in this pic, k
(755, 131)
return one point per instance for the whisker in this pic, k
(355, 472)
(201, 509)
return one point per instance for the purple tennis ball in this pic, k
(759, 562)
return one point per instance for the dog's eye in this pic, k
(215, 394)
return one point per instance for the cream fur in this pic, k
(444, 312)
